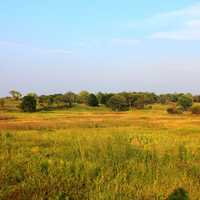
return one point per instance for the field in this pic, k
(85, 153)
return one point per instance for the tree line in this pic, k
(121, 101)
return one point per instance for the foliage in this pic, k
(196, 98)
(92, 100)
(179, 194)
(118, 103)
(29, 104)
(2, 102)
(15, 94)
(69, 99)
(195, 109)
(83, 97)
(33, 95)
(104, 97)
(185, 101)
(175, 109)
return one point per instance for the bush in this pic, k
(118, 103)
(185, 101)
(175, 110)
(29, 104)
(179, 194)
(92, 100)
(195, 109)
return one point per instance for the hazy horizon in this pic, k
(52, 47)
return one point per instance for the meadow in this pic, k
(94, 153)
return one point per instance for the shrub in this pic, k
(83, 97)
(175, 110)
(92, 100)
(185, 101)
(179, 194)
(29, 104)
(118, 103)
(2, 103)
(195, 109)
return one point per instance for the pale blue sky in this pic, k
(55, 46)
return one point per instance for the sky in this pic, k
(99, 45)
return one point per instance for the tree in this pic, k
(42, 101)
(83, 96)
(196, 109)
(50, 100)
(140, 102)
(69, 98)
(92, 100)
(130, 98)
(15, 94)
(185, 101)
(33, 94)
(175, 109)
(118, 103)
(29, 104)
(101, 98)
(196, 98)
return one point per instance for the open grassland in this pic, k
(83, 153)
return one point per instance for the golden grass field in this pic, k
(85, 153)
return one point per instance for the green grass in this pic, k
(139, 155)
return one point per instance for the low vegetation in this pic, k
(75, 151)
(196, 109)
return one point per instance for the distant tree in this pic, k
(130, 98)
(83, 96)
(101, 98)
(175, 109)
(196, 98)
(58, 99)
(42, 100)
(92, 100)
(150, 98)
(185, 101)
(164, 99)
(140, 102)
(118, 103)
(196, 109)
(29, 104)
(15, 94)
(32, 94)
(69, 98)
(50, 100)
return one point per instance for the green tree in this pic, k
(185, 101)
(118, 103)
(101, 98)
(140, 102)
(69, 98)
(33, 94)
(83, 96)
(15, 94)
(196, 109)
(29, 104)
(92, 100)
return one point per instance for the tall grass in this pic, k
(139, 155)
(97, 164)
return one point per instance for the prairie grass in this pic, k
(100, 154)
